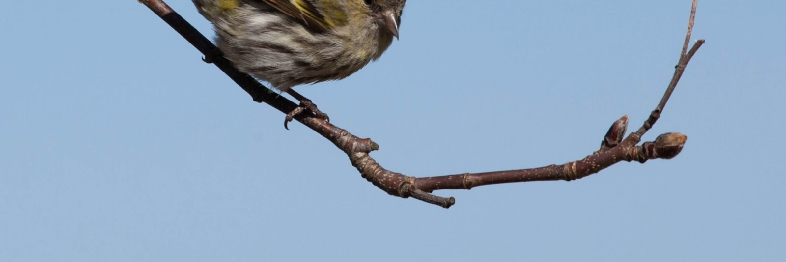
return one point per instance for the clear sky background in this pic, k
(118, 144)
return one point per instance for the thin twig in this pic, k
(685, 57)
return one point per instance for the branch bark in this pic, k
(615, 147)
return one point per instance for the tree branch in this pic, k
(614, 146)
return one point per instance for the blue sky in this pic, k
(118, 144)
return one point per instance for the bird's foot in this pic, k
(305, 104)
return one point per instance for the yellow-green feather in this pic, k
(309, 11)
(328, 13)
(333, 12)
(227, 4)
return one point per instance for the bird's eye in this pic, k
(368, 2)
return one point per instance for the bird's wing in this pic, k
(320, 15)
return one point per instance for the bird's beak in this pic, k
(391, 23)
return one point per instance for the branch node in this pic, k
(466, 181)
(570, 171)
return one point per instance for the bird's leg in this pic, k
(305, 104)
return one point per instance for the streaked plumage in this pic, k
(293, 42)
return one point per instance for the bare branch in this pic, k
(614, 148)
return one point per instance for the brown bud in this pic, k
(669, 145)
(615, 134)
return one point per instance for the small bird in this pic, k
(293, 42)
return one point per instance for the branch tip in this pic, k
(669, 145)
(429, 198)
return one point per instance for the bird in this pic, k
(294, 42)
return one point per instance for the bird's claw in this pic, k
(212, 55)
(305, 105)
